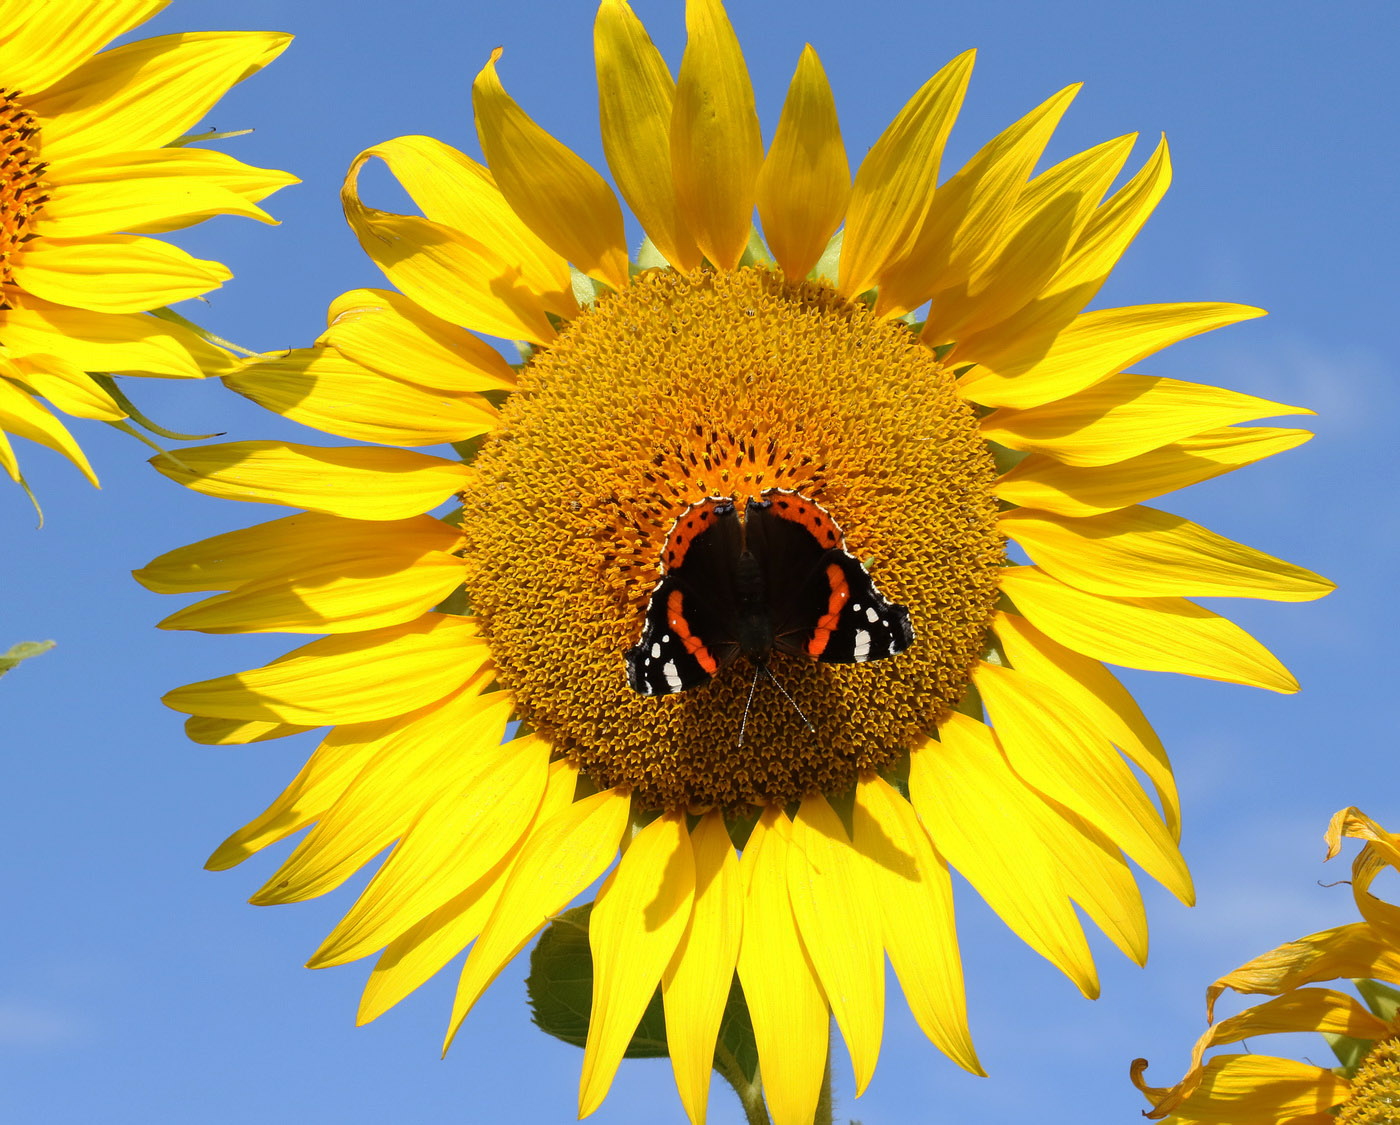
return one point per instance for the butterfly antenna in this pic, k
(805, 721)
(749, 702)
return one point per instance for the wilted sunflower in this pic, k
(1263, 1090)
(90, 165)
(717, 369)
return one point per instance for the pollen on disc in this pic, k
(686, 386)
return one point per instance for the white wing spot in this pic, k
(872, 614)
(655, 650)
(855, 607)
(862, 651)
(673, 677)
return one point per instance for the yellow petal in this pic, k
(913, 896)
(453, 189)
(1056, 749)
(440, 752)
(695, 985)
(838, 921)
(558, 860)
(963, 232)
(236, 732)
(352, 678)
(68, 387)
(473, 823)
(355, 481)
(554, 190)
(1155, 634)
(1096, 345)
(789, 1012)
(1041, 482)
(635, 98)
(25, 417)
(330, 597)
(633, 932)
(387, 332)
(953, 784)
(266, 551)
(115, 273)
(425, 948)
(450, 273)
(1093, 691)
(895, 183)
(716, 148)
(1260, 1090)
(1148, 553)
(322, 388)
(146, 94)
(40, 43)
(123, 344)
(8, 461)
(185, 164)
(805, 180)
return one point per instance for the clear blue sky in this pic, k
(137, 987)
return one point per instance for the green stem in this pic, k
(825, 1111)
(750, 1093)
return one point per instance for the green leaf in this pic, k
(560, 987)
(1383, 1000)
(23, 651)
(1349, 1051)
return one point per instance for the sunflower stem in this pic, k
(825, 1111)
(750, 1094)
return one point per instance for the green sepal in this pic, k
(469, 448)
(970, 704)
(1004, 458)
(211, 135)
(457, 602)
(586, 290)
(940, 352)
(1383, 1000)
(109, 384)
(649, 257)
(828, 267)
(23, 651)
(1349, 1051)
(756, 253)
(199, 330)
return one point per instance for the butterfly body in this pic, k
(778, 579)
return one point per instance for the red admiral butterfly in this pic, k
(779, 579)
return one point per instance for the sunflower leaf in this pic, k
(22, 651)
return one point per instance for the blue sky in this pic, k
(138, 987)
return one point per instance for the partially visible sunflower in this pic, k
(1254, 1089)
(717, 365)
(89, 164)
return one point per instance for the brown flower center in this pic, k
(726, 384)
(22, 189)
(1375, 1088)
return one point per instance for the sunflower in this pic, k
(906, 365)
(92, 160)
(1262, 1090)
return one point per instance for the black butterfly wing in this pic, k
(689, 632)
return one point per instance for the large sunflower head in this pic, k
(93, 158)
(863, 407)
(1364, 1089)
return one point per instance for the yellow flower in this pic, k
(1263, 1090)
(711, 369)
(88, 167)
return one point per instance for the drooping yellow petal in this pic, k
(8, 461)
(635, 98)
(330, 597)
(1259, 1090)
(895, 183)
(387, 332)
(453, 189)
(962, 234)
(351, 678)
(236, 732)
(911, 890)
(25, 417)
(1143, 552)
(40, 43)
(439, 752)
(146, 94)
(789, 1012)
(321, 388)
(953, 783)
(450, 273)
(115, 273)
(1055, 748)
(716, 147)
(426, 947)
(1155, 634)
(695, 985)
(558, 860)
(838, 921)
(1052, 486)
(554, 190)
(123, 344)
(354, 481)
(1094, 345)
(473, 822)
(633, 932)
(1124, 416)
(1103, 701)
(805, 180)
